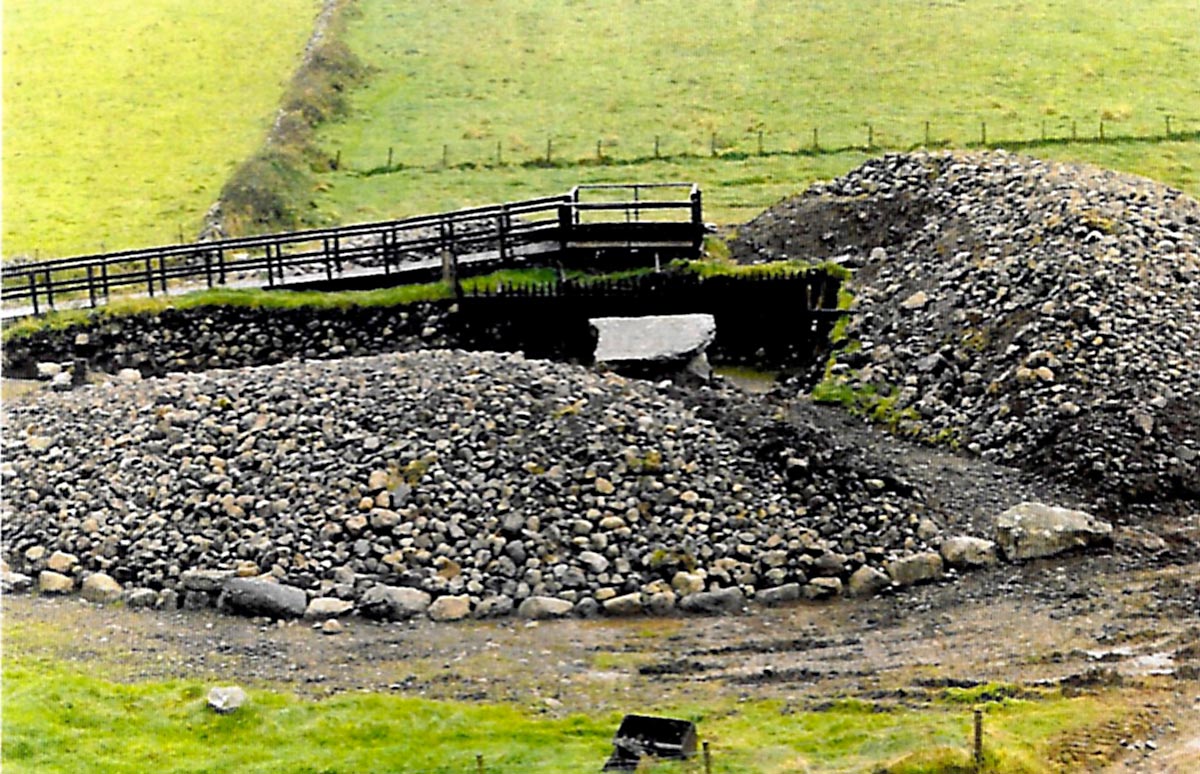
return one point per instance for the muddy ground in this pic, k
(1127, 617)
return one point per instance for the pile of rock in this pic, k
(1043, 315)
(445, 484)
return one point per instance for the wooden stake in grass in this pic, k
(978, 749)
(445, 156)
(707, 759)
(983, 132)
(1168, 126)
(760, 142)
(870, 137)
(499, 153)
(479, 763)
(549, 147)
(656, 146)
(389, 164)
(926, 134)
(816, 138)
(712, 144)
(1101, 130)
(1074, 131)
(600, 151)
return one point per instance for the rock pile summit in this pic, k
(1044, 316)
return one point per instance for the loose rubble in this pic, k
(439, 484)
(1042, 315)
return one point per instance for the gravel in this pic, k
(442, 473)
(1042, 315)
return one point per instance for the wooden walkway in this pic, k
(657, 220)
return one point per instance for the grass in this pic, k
(123, 118)
(462, 125)
(59, 718)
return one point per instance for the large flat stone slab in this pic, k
(676, 338)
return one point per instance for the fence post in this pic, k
(549, 148)
(499, 152)
(816, 138)
(712, 144)
(389, 164)
(656, 137)
(978, 748)
(270, 272)
(927, 134)
(91, 287)
(33, 290)
(1168, 117)
(479, 763)
(208, 268)
(162, 272)
(870, 137)
(760, 142)
(104, 279)
(600, 150)
(983, 132)
(1074, 130)
(707, 759)
(149, 277)
(1102, 130)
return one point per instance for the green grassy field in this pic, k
(123, 118)
(488, 90)
(58, 719)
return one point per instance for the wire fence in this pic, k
(734, 145)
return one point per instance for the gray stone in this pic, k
(593, 562)
(47, 371)
(916, 568)
(332, 626)
(652, 338)
(62, 382)
(450, 608)
(101, 588)
(394, 603)
(1032, 530)
(62, 562)
(822, 588)
(966, 551)
(204, 580)
(226, 699)
(661, 602)
(493, 607)
(866, 581)
(720, 601)
(50, 582)
(14, 581)
(626, 604)
(141, 598)
(129, 376)
(323, 608)
(255, 596)
(777, 595)
(539, 608)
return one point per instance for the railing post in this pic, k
(270, 272)
(33, 290)
(91, 287)
(502, 234)
(162, 272)
(104, 279)
(149, 277)
(49, 290)
(565, 220)
(383, 242)
(221, 264)
(208, 279)
(337, 252)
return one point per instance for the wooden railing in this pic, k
(498, 235)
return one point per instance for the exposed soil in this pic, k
(1127, 618)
